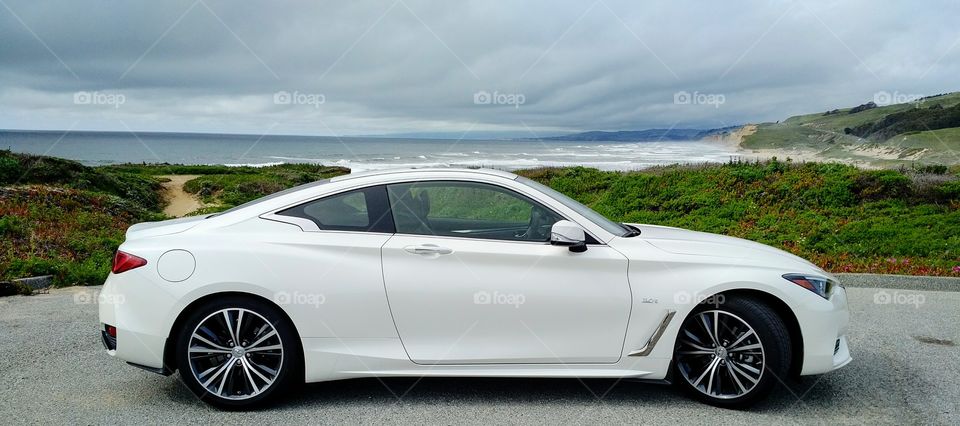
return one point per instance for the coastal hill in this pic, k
(649, 135)
(926, 130)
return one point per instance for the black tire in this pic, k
(734, 364)
(259, 317)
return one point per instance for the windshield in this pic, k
(607, 224)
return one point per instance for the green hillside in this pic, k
(61, 218)
(927, 131)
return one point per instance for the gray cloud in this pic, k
(412, 65)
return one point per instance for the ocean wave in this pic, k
(274, 163)
(297, 159)
(496, 163)
(604, 157)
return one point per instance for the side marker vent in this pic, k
(652, 342)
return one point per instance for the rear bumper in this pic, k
(136, 342)
(109, 342)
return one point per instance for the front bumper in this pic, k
(824, 328)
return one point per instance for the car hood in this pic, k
(736, 250)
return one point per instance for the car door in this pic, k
(471, 277)
(328, 276)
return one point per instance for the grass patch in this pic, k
(242, 184)
(842, 218)
(68, 233)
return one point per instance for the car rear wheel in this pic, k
(731, 352)
(237, 352)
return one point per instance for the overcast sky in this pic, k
(374, 67)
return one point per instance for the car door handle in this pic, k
(427, 249)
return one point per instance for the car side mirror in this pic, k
(568, 234)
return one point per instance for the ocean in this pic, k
(357, 153)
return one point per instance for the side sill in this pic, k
(160, 371)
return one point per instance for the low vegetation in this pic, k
(242, 184)
(21, 169)
(842, 218)
(60, 218)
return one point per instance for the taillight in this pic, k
(123, 262)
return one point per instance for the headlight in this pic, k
(820, 285)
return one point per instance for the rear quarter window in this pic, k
(363, 210)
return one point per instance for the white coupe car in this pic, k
(466, 273)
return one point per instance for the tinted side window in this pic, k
(467, 209)
(359, 210)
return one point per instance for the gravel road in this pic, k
(906, 369)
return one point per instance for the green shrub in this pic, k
(13, 227)
(880, 184)
(10, 169)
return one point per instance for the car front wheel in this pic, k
(236, 352)
(731, 352)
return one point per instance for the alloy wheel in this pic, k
(720, 354)
(235, 353)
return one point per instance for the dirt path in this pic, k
(179, 202)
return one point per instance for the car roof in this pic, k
(292, 196)
(490, 172)
(281, 198)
